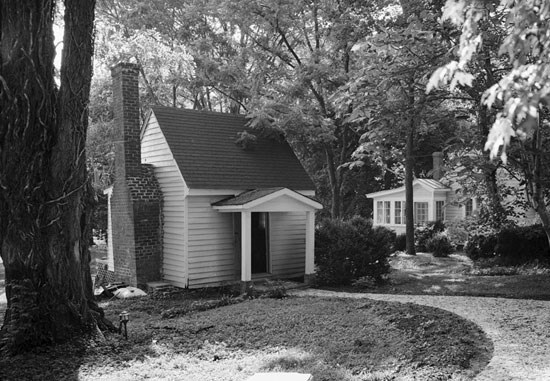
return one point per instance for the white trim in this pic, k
(186, 241)
(310, 243)
(186, 189)
(401, 189)
(145, 125)
(246, 246)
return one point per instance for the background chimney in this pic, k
(437, 171)
(127, 124)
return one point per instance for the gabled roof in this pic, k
(256, 197)
(428, 184)
(246, 197)
(203, 145)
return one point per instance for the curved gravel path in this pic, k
(519, 329)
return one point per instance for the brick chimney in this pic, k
(136, 202)
(437, 171)
(126, 112)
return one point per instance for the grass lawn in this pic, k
(458, 275)
(169, 339)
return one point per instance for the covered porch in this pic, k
(256, 211)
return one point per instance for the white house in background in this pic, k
(433, 201)
(201, 209)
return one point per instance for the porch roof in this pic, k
(267, 200)
(430, 185)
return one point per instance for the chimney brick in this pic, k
(127, 124)
(136, 200)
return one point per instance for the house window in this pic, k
(420, 212)
(439, 210)
(387, 212)
(469, 207)
(379, 212)
(399, 212)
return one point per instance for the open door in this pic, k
(260, 242)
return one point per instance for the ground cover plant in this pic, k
(333, 339)
(457, 274)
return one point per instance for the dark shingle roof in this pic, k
(246, 197)
(203, 145)
(256, 194)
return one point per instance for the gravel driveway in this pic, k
(519, 329)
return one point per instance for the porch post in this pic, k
(310, 245)
(246, 248)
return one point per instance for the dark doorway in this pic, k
(260, 242)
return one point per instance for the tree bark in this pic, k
(534, 176)
(44, 199)
(335, 184)
(409, 201)
(497, 215)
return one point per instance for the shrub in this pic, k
(481, 246)
(400, 242)
(440, 245)
(457, 232)
(522, 244)
(424, 233)
(349, 250)
(512, 246)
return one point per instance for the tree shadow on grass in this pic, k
(64, 361)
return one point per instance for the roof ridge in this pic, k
(203, 112)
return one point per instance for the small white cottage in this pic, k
(192, 206)
(433, 201)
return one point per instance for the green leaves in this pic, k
(524, 87)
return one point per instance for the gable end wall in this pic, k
(155, 151)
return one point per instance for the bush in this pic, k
(481, 246)
(348, 250)
(423, 234)
(522, 244)
(457, 232)
(512, 246)
(440, 245)
(400, 242)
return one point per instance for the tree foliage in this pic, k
(522, 93)
(386, 97)
(279, 63)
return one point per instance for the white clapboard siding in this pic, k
(421, 194)
(211, 243)
(155, 151)
(452, 209)
(287, 243)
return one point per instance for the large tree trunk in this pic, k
(535, 176)
(44, 201)
(409, 201)
(497, 214)
(335, 184)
